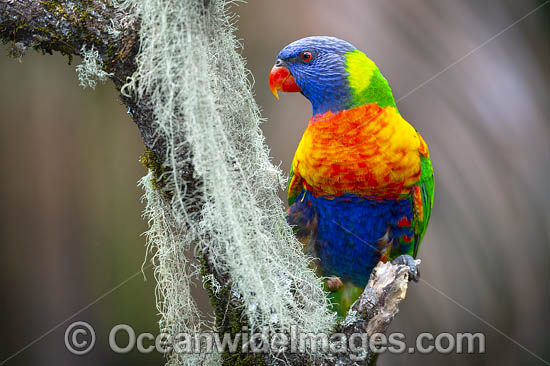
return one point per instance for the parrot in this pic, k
(361, 183)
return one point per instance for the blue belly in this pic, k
(347, 233)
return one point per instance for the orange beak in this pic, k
(280, 78)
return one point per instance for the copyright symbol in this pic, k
(79, 338)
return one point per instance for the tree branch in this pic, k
(374, 311)
(66, 26)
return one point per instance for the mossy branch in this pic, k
(66, 26)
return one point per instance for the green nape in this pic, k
(342, 299)
(366, 82)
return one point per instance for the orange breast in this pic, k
(368, 151)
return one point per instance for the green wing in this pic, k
(295, 186)
(423, 200)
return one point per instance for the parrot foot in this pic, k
(334, 283)
(414, 269)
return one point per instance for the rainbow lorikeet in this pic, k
(361, 184)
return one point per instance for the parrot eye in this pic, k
(306, 56)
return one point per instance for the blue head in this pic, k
(331, 73)
(318, 65)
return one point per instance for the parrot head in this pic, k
(331, 73)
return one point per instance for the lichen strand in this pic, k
(230, 318)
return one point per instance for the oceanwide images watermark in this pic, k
(80, 339)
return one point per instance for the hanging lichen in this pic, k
(189, 69)
(91, 68)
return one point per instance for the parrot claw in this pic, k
(414, 269)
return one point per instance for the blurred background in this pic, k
(71, 225)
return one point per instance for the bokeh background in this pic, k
(70, 226)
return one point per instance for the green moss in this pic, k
(150, 160)
(52, 42)
(54, 7)
(76, 20)
(229, 319)
(77, 17)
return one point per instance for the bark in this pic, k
(65, 26)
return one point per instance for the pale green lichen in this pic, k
(91, 68)
(208, 119)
